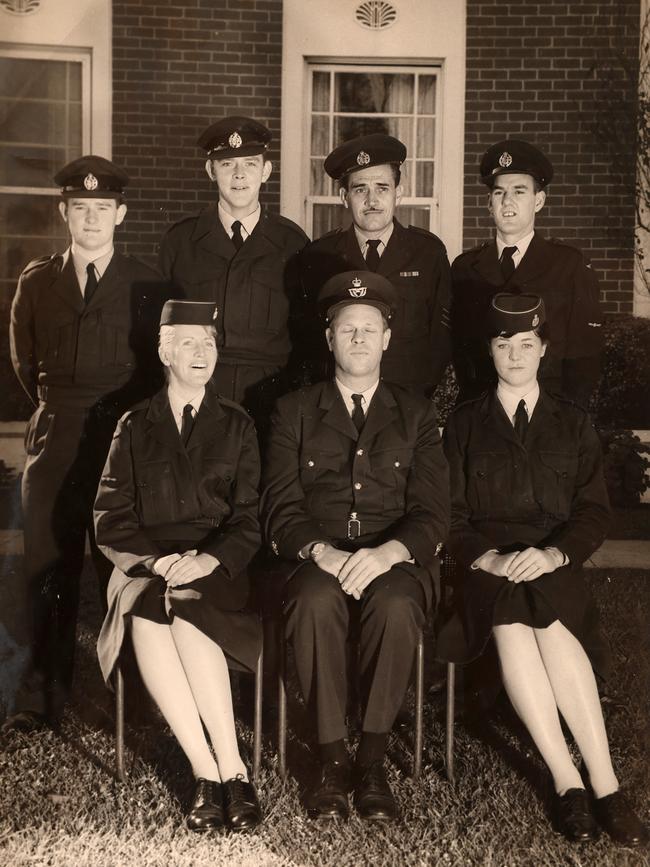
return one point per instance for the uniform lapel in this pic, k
(209, 418)
(544, 421)
(260, 242)
(162, 426)
(66, 285)
(486, 263)
(534, 262)
(210, 235)
(398, 251)
(380, 414)
(495, 417)
(353, 251)
(335, 413)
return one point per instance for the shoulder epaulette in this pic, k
(473, 250)
(329, 234)
(425, 232)
(38, 263)
(186, 219)
(470, 400)
(290, 224)
(231, 404)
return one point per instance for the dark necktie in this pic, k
(507, 265)
(358, 415)
(236, 234)
(91, 282)
(372, 254)
(187, 423)
(521, 420)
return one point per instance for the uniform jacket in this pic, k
(560, 275)
(64, 349)
(154, 490)
(254, 288)
(550, 493)
(314, 461)
(415, 262)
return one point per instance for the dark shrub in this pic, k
(622, 399)
(626, 464)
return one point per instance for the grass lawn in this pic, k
(60, 803)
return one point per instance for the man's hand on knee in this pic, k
(332, 559)
(366, 564)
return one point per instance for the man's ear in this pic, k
(329, 336)
(63, 210)
(121, 213)
(209, 168)
(387, 336)
(489, 203)
(266, 171)
(540, 199)
(399, 192)
(343, 195)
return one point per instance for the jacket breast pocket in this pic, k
(390, 471)
(315, 463)
(156, 493)
(61, 339)
(215, 486)
(559, 470)
(488, 481)
(269, 305)
(115, 334)
(413, 307)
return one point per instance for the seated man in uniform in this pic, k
(356, 496)
(519, 260)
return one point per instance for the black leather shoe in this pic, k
(242, 807)
(615, 816)
(329, 797)
(573, 816)
(373, 797)
(26, 721)
(206, 812)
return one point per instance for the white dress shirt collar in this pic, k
(510, 401)
(247, 223)
(81, 260)
(522, 245)
(384, 238)
(346, 394)
(178, 403)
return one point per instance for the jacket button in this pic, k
(396, 464)
(357, 486)
(310, 463)
(359, 452)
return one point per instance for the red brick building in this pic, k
(138, 81)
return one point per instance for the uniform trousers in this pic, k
(317, 613)
(66, 449)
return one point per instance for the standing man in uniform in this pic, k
(242, 257)
(80, 334)
(519, 260)
(356, 498)
(412, 259)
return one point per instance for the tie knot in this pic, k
(357, 400)
(188, 409)
(373, 243)
(90, 269)
(508, 252)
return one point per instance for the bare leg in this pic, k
(574, 686)
(528, 687)
(207, 674)
(165, 678)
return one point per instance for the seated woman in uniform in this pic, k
(176, 512)
(529, 506)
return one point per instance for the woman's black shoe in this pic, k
(242, 807)
(615, 816)
(206, 812)
(573, 816)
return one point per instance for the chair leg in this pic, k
(449, 722)
(119, 725)
(419, 706)
(257, 719)
(282, 706)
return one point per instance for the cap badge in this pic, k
(91, 182)
(505, 160)
(235, 140)
(363, 158)
(357, 290)
(535, 321)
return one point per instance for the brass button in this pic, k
(396, 464)
(359, 452)
(357, 486)
(310, 463)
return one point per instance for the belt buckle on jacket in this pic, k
(354, 526)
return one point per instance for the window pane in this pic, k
(30, 226)
(320, 184)
(413, 215)
(426, 137)
(407, 177)
(424, 185)
(349, 127)
(30, 166)
(328, 217)
(427, 94)
(321, 91)
(373, 92)
(320, 136)
(27, 78)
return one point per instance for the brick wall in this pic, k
(561, 75)
(179, 65)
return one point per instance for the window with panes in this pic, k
(348, 100)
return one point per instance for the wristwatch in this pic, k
(316, 550)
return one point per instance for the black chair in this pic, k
(120, 764)
(282, 705)
(447, 577)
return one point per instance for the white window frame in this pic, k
(56, 53)
(334, 65)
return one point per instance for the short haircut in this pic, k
(344, 182)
